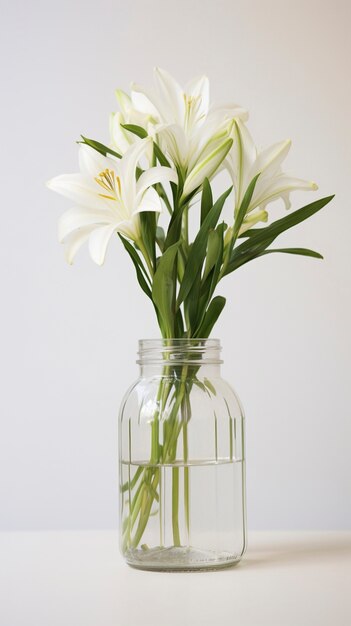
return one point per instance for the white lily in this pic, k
(244, 162)
(121, 138)
(107, 198)
(189, 108)
(193, 135)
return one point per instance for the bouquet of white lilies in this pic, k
(166, 147)
(171, 135)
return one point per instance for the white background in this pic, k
(69, 334)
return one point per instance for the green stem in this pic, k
(143, 251)
(186, 416)
(175, 506)
(149, 477)
(145, 509)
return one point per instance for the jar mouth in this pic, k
(178, 351)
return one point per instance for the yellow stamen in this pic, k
(109, 181)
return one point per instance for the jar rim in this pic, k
(179, 350)
(183, 340)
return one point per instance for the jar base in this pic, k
(180, 559)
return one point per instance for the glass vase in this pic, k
(182, 465)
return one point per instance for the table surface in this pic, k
(78, 578)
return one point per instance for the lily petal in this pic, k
(121, 138)
(280, 186)
(228, 112)
(130, 228)
(128, 167)
(268, 161)
(75, 242)
(171, 93)
(241, 158)
(200, 87)
(174, 142)
(79, 188)
(258, 216)
(124, 101)
(79, 217)
(98, 242)
(91, 162)
(150, 201)
(154, 175)
(207, 167)
(145, 102)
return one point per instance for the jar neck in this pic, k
(179, 357)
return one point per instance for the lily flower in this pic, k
(189, 108)
(193, 135)
(107, 198)
(244, 162)
(122, 139)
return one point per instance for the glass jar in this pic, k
(182, 467)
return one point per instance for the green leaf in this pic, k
(179, 325)
(279, 226)
(148, 233)
(240, 259)
(161, 192)
(198, 249)
(213, 247)
(163, 289)
(249, 233)
(212, 314)
(217, 267)
(261, 238)
(175, 226)
(136, 130)
(239, 218)
(139, 267)
(160, 156)
(160, 237)
(206, 199)
(302, 251)
(99, 147)
(142, 133)
(210, 283)
(191, 304)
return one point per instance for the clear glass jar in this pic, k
(182, 467)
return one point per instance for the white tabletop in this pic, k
(79, 579)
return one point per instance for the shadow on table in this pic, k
(292, 551)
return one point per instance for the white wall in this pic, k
(70, 334)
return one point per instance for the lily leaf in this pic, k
(248, 255)
(198, 249)
(302, 251)
(212, 314)
(217, 267)
(210, 283)
(136, 130)
(279, 226)
(160, 237)
(139, 267)
(175, 226)
(163, 289)
(206, 199)
(160, 156)
(99, 147)
(213, 247)
(256, 243)
(244, 207)
(148, 233)
(191, 304)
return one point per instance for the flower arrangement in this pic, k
(166, 147)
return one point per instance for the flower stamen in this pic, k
(111, 182)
